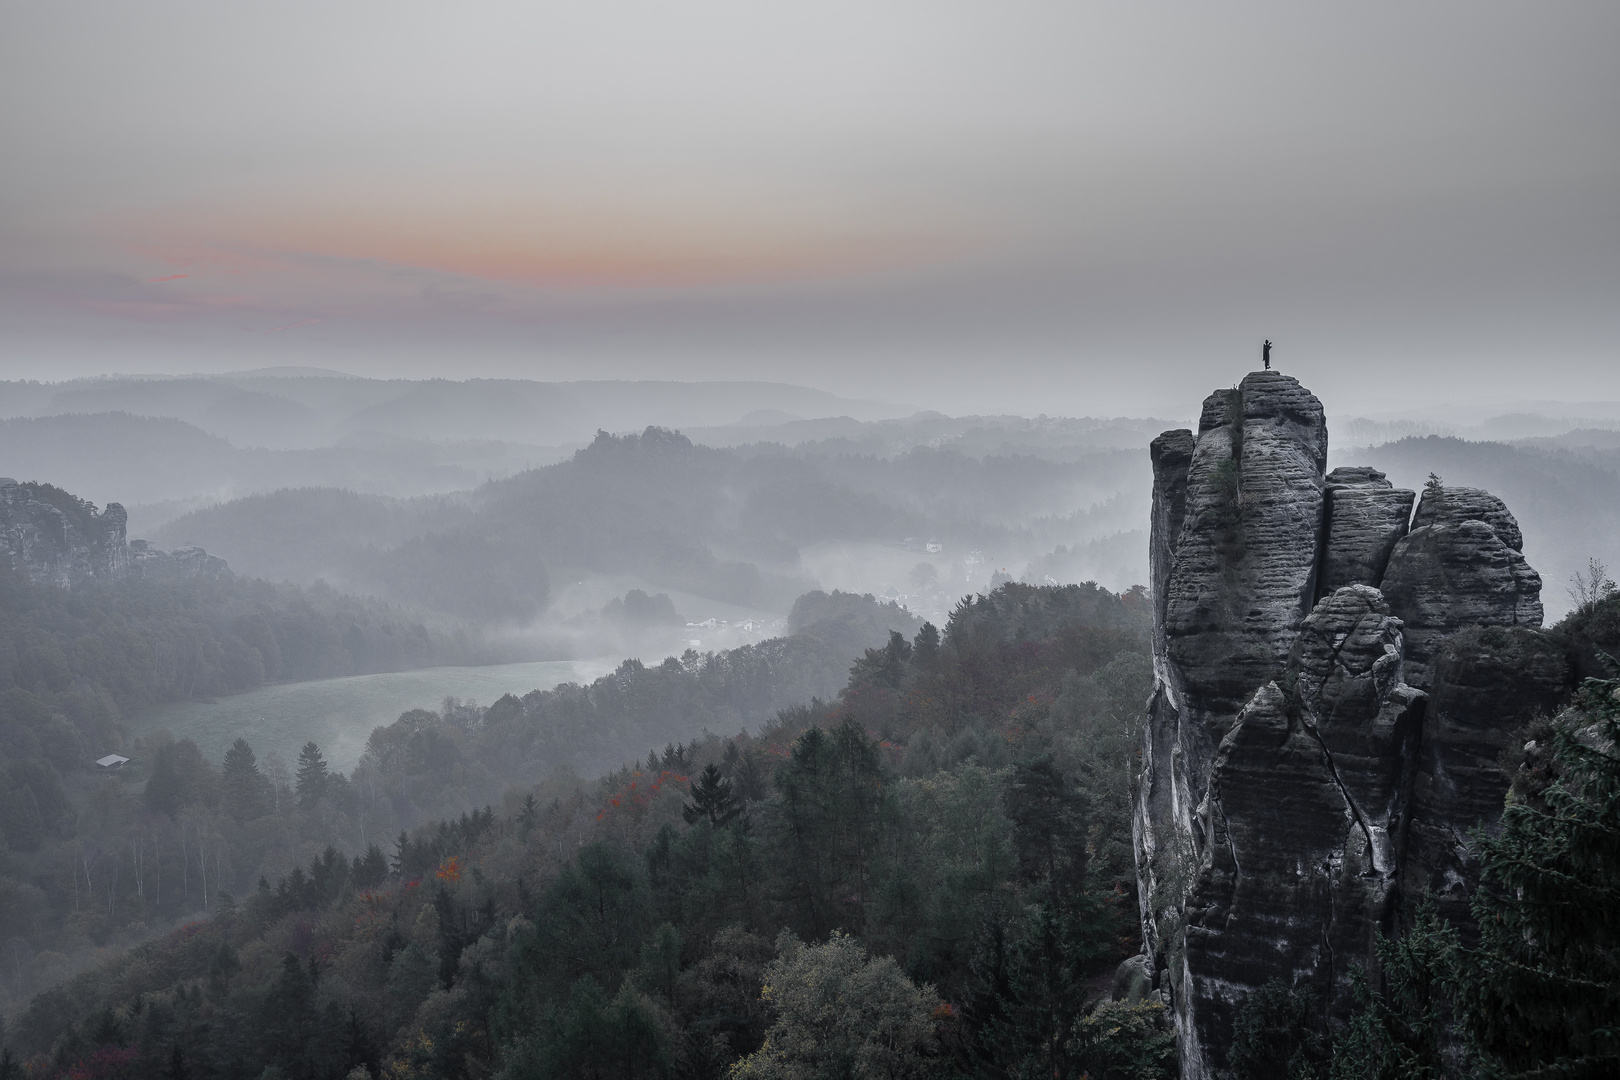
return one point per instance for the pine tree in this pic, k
(1404, 1030)
(246, 788)
(1049, 827)
(371, 868)
(711, 799)
(1542, 992)
(925, 647)
(287, 1019)
(1273, 1035)
(312, 776)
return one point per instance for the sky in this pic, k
(1059, 207)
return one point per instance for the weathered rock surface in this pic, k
(1366, 515)
(185, 562)
(1455, 505)
(1305, 816)
(1171, 454)
(53, 537)
(1244, 569)
(1458, 572)
(1296, 781)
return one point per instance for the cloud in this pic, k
(1043, 206)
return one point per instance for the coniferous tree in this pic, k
(925, 647)
(246, 789)
(1049, 826)
(1542, 991)
(288, 1022)
(1274, 1037)
(711, 799)
(828, 825)
(221, 969)
(371, 868)
(312, 775)
(1403, 1030)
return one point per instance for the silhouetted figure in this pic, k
(1265, 353)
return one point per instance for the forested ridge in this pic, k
(722, 523)
(94, 653)
(91, 860)
(74, 664)
(929, 876)
(946, 845)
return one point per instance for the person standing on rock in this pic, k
(1265, 353)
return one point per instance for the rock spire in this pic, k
(1323, 730)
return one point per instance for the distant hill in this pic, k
(147, 461)
(301, 411)
(729, 524)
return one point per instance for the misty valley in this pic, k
(1077, 747)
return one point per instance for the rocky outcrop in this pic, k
(1296, 779)
(184, 562)
(54, 538)
(1305, 818)
(1366, 516)
(1461, 565)
(1244, 567)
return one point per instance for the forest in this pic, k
(952, 832)
(148, 840)
(85, 657)
(945, 848)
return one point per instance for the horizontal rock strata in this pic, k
(1366, 515)
(53, 538)
(1459, 571)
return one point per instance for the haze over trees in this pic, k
(672, 869)
(726, 524)
(974, 850)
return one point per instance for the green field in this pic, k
(340, 713)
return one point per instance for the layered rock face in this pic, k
(57, 539)
(52, 537)
(1461, 565)
(1366, 516)
(1297, 780)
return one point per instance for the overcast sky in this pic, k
(1060, 207)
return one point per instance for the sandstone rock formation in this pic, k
(54, 538)
(150, 562)
(1297, 781)
(1461, 565)
(1366, 516)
